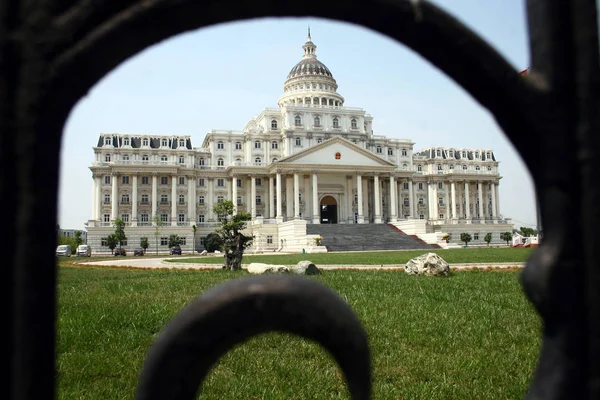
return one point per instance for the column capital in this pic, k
(315, 172)
(349, 176)
(155, 174)
(190, 177)
(279, 171)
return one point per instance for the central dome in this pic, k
(309, 66)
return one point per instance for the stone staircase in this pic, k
(358, 237)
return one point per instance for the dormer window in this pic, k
(298, 141)
(107, 141)
(107, 158)
(317, 121)
(257, 144)
(126, 142)
(273, 124)
(181, 160)
(220, 145)
(477, 154)
(438, 153)
(451, 153)
(181, 143)
(464, 154)
(297, 121)
(274, 145)
(488, 156)
(353, 124)
(238, 145)
(145, 142)
(164, 143)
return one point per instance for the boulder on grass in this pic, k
(428, 264)
(262, 268)
(305, 268)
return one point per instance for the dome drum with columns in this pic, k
(310, 161)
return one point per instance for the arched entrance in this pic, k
(328, 209)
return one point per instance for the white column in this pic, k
(279, 215)
(210, 199)
(453, 198)
(361, 217)
(436, 211)
(448, 205)
(494, 215)
(468, 203)
(316, 217)
(377, 188)
(234, 194)
(365, 190)
(253, 197)
(497, 190)
(429, 200)
(134, 199)
(296, 196)
(412, 200)
(114, 197)
(289, 197)
(191, 198)
(94, 197)
(307, 198)
(480, 198)
(393, 191)
(266, 194)
(173, 200)
(272, 212)
(154, 199)
(99, 198)
(349, 198)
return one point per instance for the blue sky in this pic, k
(220, 77)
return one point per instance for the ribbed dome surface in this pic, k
(309, 66)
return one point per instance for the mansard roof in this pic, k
(136, 141)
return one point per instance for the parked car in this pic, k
(63, 250)
(84, 251)
(120, 252)
(138, 251)
(176, 250)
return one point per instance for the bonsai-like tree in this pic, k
(234, 241)
(507, 237)
(488, 238)
(213, 242)
(112, 241)
(465, 237)
(194, 228)
(144, 244)
(120, 231)
(174, 240)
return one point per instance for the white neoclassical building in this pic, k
(311, 160)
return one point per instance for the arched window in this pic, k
(297, 120)
(298, 141)
(464, 167)
(477, 168)
(220, 162)
(273, 124)
(336, 123)
(353, 124)
(181, 160)
(163, 158)
(257, 160)
(317, 121)
(145, 157)
(220, 145)
(274, 159)
(238, 161)
(164, 143)
(107, 158)
(107, 141)
(319, 140)
(404, 166)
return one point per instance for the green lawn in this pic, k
(469, 336)
(468, 255)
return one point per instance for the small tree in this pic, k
(174, 240)
(465, 237)
(194, 228)
(144, 244)
(78, 239)
(213, 242)
(488, 238)
(507, 237)
(120, 231)
(527, 232)
(234, 242)
(112, 241)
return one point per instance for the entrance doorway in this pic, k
(328, 210)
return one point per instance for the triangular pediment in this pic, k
(336, 151)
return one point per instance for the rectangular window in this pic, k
(181, 199)
(201, 218)
(441, 201)
(440, 185)
(421, 201)
(125, 217)
(441, 216)
(182, 241)
(239, 200)
(406, 201)
(476, 236)
(125, 180)
(220, 199)
(181, 217)
(238, 145)
(258, 200)
(107, 199)
(104, 242)
(164, 198)
(125, 199)
(404, 152)
(390, 151)
(164, 241)
(421, 216)
(107, 179)
(269, 239)
(164, 180)
(145, 180)
(239, 182)
(144, 198)
(258, 181)
(405, 186)
(106, 217)
(144, 217)
(164, 217)
(201, 182)
(220, 182)
(182, 180)
(420, 186)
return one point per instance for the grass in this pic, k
(453, 256)
(469, 336)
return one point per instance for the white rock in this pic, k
(204, 252)
(262, 268)
(217, 252)
(305, 268)
(427, 264)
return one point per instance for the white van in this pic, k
(63, 250)
(84, 251)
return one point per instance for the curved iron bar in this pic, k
(234, 311)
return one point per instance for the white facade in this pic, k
(283, 168)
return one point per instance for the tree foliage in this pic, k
(488, 238)
(120, 231)
(465, 237)
(144, 244)
(527, 232)
(112, 241)
(234, 241)
(174, 240)
(507, 237)
(213, 242)
(78, 239)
